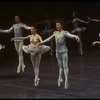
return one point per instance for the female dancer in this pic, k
(77, 30)
(61, 50)
(35, 52)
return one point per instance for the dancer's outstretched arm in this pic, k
(26, 27)
(82, 21)
(46, 40)
(21, 38)
(8, 30)
(95, 20)
(67, 34)
(96, 42)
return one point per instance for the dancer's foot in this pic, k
(59, 82)
(23, 67)
(66, 84)
(51, 53)
(81, 53)
(18, 69)
(36, 82)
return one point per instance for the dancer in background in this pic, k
(34, 51)
(18, 32)
(77, 30)
(61, 50)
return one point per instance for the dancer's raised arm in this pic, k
(96, 42)
(95, 20)
(8, 30)
(82, 21)
(21, 38)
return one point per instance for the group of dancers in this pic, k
(36, 47)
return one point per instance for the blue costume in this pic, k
(76, 28)
(18, 32)
(61, 52)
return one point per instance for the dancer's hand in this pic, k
(88, 18)
(94, 43)
(38, 44)
(78, 39)
(87, 22)
(12, 39)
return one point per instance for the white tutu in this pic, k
(33, 49)
(78, 29)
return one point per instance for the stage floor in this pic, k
(84, 78)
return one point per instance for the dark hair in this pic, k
(34, 26)
(61, 22)
(75, 13)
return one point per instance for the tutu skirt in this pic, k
(78, 29)
(33, 49)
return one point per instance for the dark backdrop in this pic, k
(32, 12)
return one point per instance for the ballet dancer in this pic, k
(34, 51)
(18, 32)
(77, 30)
(61, 50)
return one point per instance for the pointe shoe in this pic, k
(59, 82)
(66, 85)
(18, 69)
(51, 53)
(23, 67)
(36, 82)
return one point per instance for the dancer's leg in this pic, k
(60, 63)
(36, 62)
(80, 44)
(21, 58)
(17, 49)
(65, 66)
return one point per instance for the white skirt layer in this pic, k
(33, 49)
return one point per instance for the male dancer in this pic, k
(61, 50)
(18, 32)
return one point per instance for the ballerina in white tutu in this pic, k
(34, 51)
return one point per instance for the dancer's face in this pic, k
(58, 26)
(17, 19)
(33, 30)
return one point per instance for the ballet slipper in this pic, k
(36, 82)
(23, 67)
(66, 84)
(18, 69)
(59, 82)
